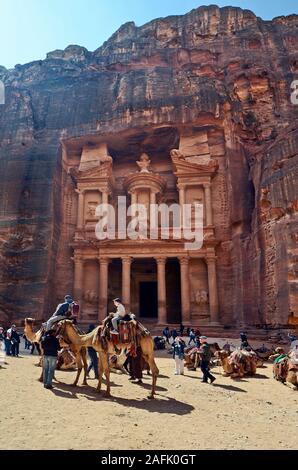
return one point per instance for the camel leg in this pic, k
(79, 366)
(106, 370)
(100, 372)
(84, 358)
(103, 368)
(154, 369)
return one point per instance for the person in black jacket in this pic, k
(93, 356)
(50, 346)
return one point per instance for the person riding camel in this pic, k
(62, 312)
(118, 315)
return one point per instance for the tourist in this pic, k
(174, 334)
(192, 337)
(187, 331)
(135, 365)
(14, 338)
(61, 313)
(50, 346)
(178, 355)
(205, 354)
(243, 339)
(118, 315)
(93, 356)
(181, 329)
(2, 334)
(7, 343)
(166, 334)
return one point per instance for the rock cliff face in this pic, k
(224, 69)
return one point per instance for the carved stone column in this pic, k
(185, 290)
(213, 295)
(103, 287)
(81, 200)
(78, 280)
(208, 204)
(105, 197)
(126, 278)
(161, 290)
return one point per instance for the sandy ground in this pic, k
(252, 413)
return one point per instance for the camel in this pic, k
(35, 337)
(192, 355)
(238, 364)
(104, 348)
(286, 370)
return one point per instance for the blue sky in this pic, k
(31, 28)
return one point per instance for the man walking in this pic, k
(50, 346)
(205, 354)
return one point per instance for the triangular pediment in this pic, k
(182, 166)
(101, 171)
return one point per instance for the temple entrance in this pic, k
(148, 299)
(144, 288)
(173, 291)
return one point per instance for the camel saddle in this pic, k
(129, 329)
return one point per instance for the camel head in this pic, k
(221, 355)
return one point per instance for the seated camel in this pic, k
(192, 355)
(239, 363)
(285, 369)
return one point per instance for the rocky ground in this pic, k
(252, 413)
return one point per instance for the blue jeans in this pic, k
(49, 366)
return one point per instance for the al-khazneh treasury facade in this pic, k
(158, 279)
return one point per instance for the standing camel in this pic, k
(70, 335)
(35, 337)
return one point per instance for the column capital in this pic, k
(77, 258)
(161, 260)
(127, 259)
(210, 260)
(80, 190)
(181, 186)
(207, 185)
(104, 259)
(184, 260)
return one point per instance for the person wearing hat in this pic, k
(61, 313)
(178, 355)
(118, 315)
(244, 342)
(205, 354)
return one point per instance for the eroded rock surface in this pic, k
(222, 70)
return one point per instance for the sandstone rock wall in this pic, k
(221, 67)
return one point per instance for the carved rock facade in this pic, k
(214, 86)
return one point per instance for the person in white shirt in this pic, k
(119, 315)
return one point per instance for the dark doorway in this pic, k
(173, 291)
(148, 299)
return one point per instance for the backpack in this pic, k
(75, 309)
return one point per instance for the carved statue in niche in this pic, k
(201, 297)
(91, 209)
(91, 297)
(144, 163)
